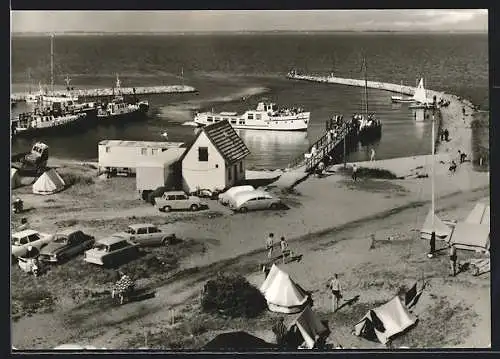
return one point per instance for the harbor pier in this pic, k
(106, 92)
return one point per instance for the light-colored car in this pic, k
(254, 200)
(66, 244)
(228, 196)
(23, 239)
(111, 251)
(178, 200)
(147, 234)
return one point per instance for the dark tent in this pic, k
(237, 341)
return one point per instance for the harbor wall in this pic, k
(101, 92)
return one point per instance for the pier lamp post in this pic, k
(433, 233)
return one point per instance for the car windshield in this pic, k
(130, 231)
(101, 247)
(60, 239)
(15, 241)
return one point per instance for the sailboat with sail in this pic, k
(370, 128)
(420, 97)
(401, 98)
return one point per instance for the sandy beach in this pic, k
(329, 221)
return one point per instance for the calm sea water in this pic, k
(233, 72)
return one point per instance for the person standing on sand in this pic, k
(284, 247)
(354, 172)
(432, 245)
(453, 260)
(269, 245)
(336, 289)
(372, 155)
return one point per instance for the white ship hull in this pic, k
(295, 122)
(401, 99)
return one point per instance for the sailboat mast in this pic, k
(366, 88)
(52, 62)
(433, 209)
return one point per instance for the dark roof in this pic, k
(237, 341)
(226, 140)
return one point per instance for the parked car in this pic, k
(254, 200)
(66, 244)
(23, 239)
(112, 250)
(147, 234)
(226, 197)
(175, 200)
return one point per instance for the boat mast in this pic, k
(366, 88)
(433, 174)
(52, 63)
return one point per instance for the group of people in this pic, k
(444, 135)
(462, 156)
(270, 246)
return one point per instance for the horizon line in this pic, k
(84, 32)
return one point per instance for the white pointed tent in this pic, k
(384, 322)
(474, 232)
(310, 327)
(443, 231)
(48, 183)
(282, 294)
(15, 181)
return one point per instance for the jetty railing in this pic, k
(324, 146)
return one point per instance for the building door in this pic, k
(235, 173)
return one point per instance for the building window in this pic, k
(154, 151)
(250, 116)
(108, 149)
(241, 122)
(203, 154)
(144, 151)
(216, 166)
(258, 116)
(241, 167)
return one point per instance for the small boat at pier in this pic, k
(401, 98)
(41, 122)
(369, 127)
(266, 116)
(118, 109)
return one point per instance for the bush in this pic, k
(232, 295)
(73, 179)
(156, 193)
(375, 173)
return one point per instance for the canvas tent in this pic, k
(442, 230)
(237, 341)
(471, 236)
(15, 181)
(310, 327)
(480, 214)
(48, 183)
(283, 295)
(474, 232)
(385, 321)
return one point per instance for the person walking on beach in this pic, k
(269, 245)
(354, 172)
(446, 135)
(336, 289)
(372, 155)
(453, 260)
(463, 156)
(284, 248)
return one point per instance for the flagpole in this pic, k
(52, 63)
(433, 174)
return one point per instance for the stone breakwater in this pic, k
(103, 92)
(452, 116)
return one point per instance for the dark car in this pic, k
(66, 244)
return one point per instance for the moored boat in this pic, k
(42, 122)
(266, 116)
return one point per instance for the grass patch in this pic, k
(374, 185)
(368, 172)
(442, 324)
(71, 179)
(31, 300)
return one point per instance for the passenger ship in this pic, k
(266, 116)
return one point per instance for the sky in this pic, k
(251, 20)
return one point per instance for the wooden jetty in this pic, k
(106, 92)
(327, 146)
